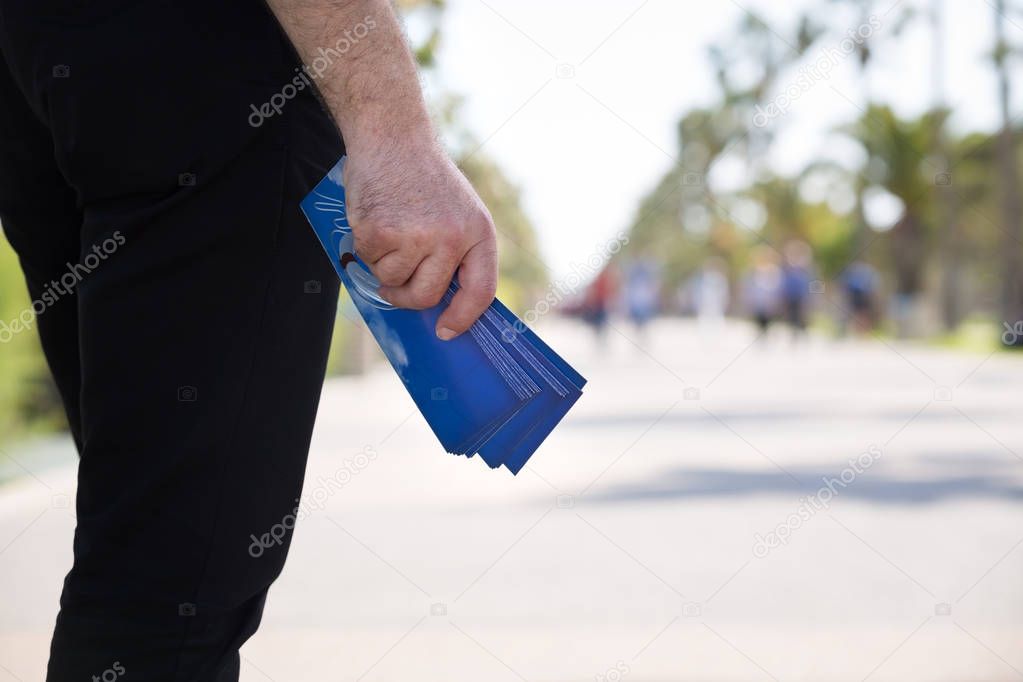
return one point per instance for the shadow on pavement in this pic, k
(873, 485)
(767, 415)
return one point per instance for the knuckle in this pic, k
(420, 236)
(419, 299)
(372, 231)
(452, 238)
(433, 297)
(488, 289)
(485, 217)
(364, 242)
(389, 277)
(485, 222)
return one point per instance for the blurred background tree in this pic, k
(1008, 167)
(896, 166)
(931, 210)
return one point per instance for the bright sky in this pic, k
(585, 147)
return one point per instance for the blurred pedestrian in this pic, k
(762, 289)
(710, 296)
(598, 300)
(642, 291)
(797, 274)
(860, 285)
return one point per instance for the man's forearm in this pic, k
(372, 90)
(415, 218)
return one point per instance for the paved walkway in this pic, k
(629, 550)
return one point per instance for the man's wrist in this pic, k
(371, 115)
(383, 134)
(373, 93)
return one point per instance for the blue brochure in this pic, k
(497, 389)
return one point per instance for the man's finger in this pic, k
(477, 279)
(396, 267)
(373, 245)
(427, 285)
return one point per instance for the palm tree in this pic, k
(864, 55)
(1012, 267)
(948, 216)
(896, 150)
(865, 51)
(950, 242)
(754, 44)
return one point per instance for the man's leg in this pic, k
(203, 352)
(204, 313)
(42, 222)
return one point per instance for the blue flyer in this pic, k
(497, 389)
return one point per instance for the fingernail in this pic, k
(445, 334)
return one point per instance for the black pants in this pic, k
(183, 304)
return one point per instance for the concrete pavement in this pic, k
(713, 509)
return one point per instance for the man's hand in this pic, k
(415, 218)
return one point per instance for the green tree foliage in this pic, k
(897, 152)
(960, 211)
(28, 399)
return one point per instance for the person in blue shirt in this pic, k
(796, 277)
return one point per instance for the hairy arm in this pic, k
(415, 218)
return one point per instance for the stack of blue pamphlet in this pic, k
(497, 389)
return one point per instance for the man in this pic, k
(152, 157)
